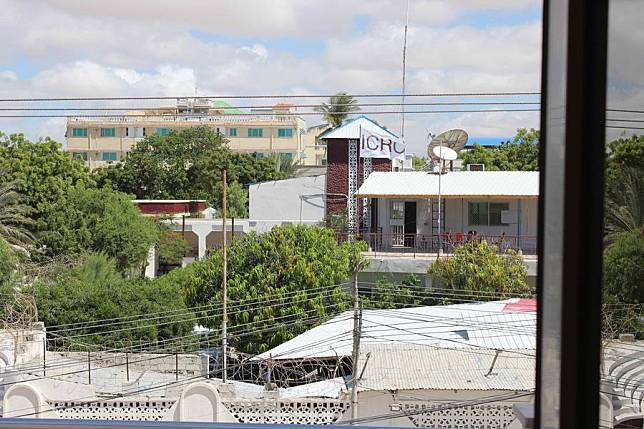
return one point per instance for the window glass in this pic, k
(285, 132)
(232, 132)
(79, 132)
(495, 213)
(397, 210)
(163, 131)
(108, 156)
(80, 155)
(108, 132)
(477, 214)
(286, 155)
(255, 132)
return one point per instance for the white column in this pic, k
(201, 236)
(151, 265)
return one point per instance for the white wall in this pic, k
(456, 219)
(301, 198)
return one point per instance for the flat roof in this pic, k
(454, 184)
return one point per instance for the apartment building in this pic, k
(275, 130)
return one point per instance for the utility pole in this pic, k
(224, 323)
(357, 328)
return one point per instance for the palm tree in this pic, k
(625, 206)
(13, 218)
(338, 109)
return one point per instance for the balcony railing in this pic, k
(413, 244)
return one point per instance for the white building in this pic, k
(297, 200)
(500, 206)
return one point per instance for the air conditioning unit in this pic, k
(475, 167)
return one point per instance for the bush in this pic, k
(624, 268)
(283, 282)
(477, 266)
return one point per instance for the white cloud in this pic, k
(8, 75)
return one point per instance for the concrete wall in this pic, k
(298, 199)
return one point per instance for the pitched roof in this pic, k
(420, 184)
(350, 129)
(420, 367)
(488, 325)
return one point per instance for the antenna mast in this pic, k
(404, 72)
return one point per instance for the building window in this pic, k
(259, 155)
(163, 131)
(255, 132)
(108, 132)
(285, 132)
(323, 162)
(232, 132)
(80, 155)
(287, 155)
(79, 132)
(108, 156)
(486, 214)
(143, 132)
(397, 210)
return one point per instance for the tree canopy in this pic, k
(519, 154)
(339, 107)
(477, 266)
(282, 282)
(624, 268)
(186, 164)
(75, 302)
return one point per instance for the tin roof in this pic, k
(420, 184)
(420, 367)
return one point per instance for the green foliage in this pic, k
(477, 266)
(275, 280)
(521, 153)
(624, 209)
(237, 203)
(42, 173)
(624, 153)
(340, 106)
(101, 220)
(419, 163)
(14, 222)
(386, 294)
(624, 268)
(172, 247)
(187, 164)
(85, 295)
(8, 262)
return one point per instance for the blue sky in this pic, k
(275, 47)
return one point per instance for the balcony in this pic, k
(426, 244)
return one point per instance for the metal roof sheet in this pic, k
(486, 325)
(420, 184)
(351, 129)
(422, 367)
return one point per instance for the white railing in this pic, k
(217, 119)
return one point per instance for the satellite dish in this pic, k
(445, 153)
(454, 139)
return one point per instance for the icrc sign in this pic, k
(374, 145)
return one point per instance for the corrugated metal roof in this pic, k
(487, 325)
(351, 129)
(422, 367)
(420, 184)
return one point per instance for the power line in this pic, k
(280, 96)
(272, 114)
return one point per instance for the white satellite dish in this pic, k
(454, 139)
(444, 153)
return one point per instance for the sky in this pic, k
(75, 48)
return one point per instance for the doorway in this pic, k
(409, 228)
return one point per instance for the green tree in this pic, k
(140, 312)
(624, 209)
(102, 220)
(419, 163)
(340, 106)
(623, 154)
(519, 154)
(282, 282)
(477, 266)
(42, 173)
(172, 247)
(624, 268)
(8, 262)
(13, 215)
(187, 164)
